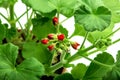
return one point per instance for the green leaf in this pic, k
(10, 33)
(2, 31)
(95, 71)
(93, 36)
(31, 66)
(63, 30)
(114, 74)
(42, 26)
(79, 30)
(6, 3)
(29, 69)
(93, 15)
(118, 57)
(50, 14)
(96, 35)
(114, 6)
(65, 7)
(38, 51)
(8, 53)
(65, 76)
(40, 5)
(78, 71)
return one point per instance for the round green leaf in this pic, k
(42, 26)
(93, 17)
(38, 51)
(114, 6)
(6, 3)
(95, 71)
(114, 74)
(65, 7)
(40, 5)
(78, 71)
(29, 69)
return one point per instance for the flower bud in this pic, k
(51, 47)
(61, 37)
(45, 41)
(50, 36)
(75, 45)
(55, 20)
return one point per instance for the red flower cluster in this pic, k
(50, 37)
(58, 39)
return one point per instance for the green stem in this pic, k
(31, 15)
(115, 41)
(51, 60)
(22, 15)
(64, 20)
(84, 40)
(55, 67)
(19, 23)
(4, 17)
(88, 48)
(112, 33)
(62, 57)
(59, 64)
(58, 23)
(12, 22)
(77, 55)
(27, 13)
(99, 63)
(94, 51)
(28, 36)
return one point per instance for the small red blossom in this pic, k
(75, 45)
(50, 36)
(61, 37)
(55, 20)
(45, 41)
(51, 47)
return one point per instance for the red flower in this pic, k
(61, 37)
(44, 41)
(75, 45)
(55, 20)
(51, 47)
(50, 36)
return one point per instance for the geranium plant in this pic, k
(41, 49)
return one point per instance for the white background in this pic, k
(69, 25)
